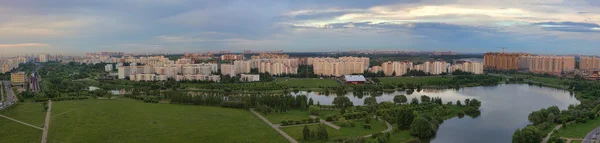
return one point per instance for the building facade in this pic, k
(502, 61)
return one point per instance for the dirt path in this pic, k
(276, 127)
(47, 125)
(21, 122)
(550, 134)
(327, 123)
(389, 128)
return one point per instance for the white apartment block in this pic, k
(276, 68)
(249, 77)
(472, 67)
(108, 67)
(214, 78)
(124, 72)
(434, 68)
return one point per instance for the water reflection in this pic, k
(504, 109)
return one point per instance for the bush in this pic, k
(310, 120)
(352, 124)
(298, 122)
(291, 122)
(284, 123)
(367, 126)
(304, 121)
(329, 118)
(317, 120)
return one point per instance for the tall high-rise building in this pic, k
(340, 66)
(396, 68)
(242, 66)
(589, 63)
(44, 58)
(232, 57)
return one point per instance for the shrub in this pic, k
(367, 126)
(284, 123)
(329, 118)
(310, 120)
(291, 122)
(298, 122)
(317, 120)
(352, 124)
(304, 121)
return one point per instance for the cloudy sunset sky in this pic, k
(80, 26)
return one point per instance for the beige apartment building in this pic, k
(472, 67)
(396, 68)
(435, 67)
(242, 66)
(338, 67)
(502, 61)
(547, 64)
(228, 69)
(589, 63)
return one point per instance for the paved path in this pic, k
(21, 122)
(47, 126)
(276, 127)
(279, 125)
(589, 138)
(327, 123)
(389, 128)
(62, 113)
(550, 134)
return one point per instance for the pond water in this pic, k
(504, 109)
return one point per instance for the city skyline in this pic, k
(158, 26)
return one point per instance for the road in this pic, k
(47, 125)
(11, 99)
(589, 138)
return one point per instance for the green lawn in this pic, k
(296, 115)
(13, 132)
(377, 126)
(135, 121)
(401, 136)
(413, 80)
(307, 82)
(579, 130)
(576, 141)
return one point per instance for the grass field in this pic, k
(307, 82)
(578, 130)
(13, 132)
(377, 126)
(549, 80)
(413, 80)
(296, 115)
(401, 136)
(135, 121)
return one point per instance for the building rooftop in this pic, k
(353, 78)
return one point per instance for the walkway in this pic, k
(47, 126)
(292, 140)
(327, 123)
(22, 122)
(389, 128)
(550, 134)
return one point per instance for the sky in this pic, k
(141, 26)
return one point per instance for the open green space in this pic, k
(135, 121)
(296, 115)
(576, 141)
(549, 80)
(14, 132)
(307, 82)
(414, 80)
(400, 136)
(358, 130)
(579, 130)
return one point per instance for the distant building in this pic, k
(354, 79)
(502, 61)
(124, 72)
(17, 78)
(249, 77)
(44, 58)
(108, 67)
(232, 57)
(228, 69)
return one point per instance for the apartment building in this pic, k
(588, 63)
(242, 66)
(270, 56)
(44, 58)
(232, 57)
(228, 69)
(375, 69)
(502, 61)
(249, 77)
(17, 78)
(435, 67)
(108, 67)
(213, 78)
(468, 66)
(396, 68)
(547, 64)
(338, 67)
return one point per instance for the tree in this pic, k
(342, 102)
(422, 128)
(314, 110)
(414, 101)
(311, 102)
(404, 117)
(440, 111)
(400, 99)
(370, 101)
(306, 132)
(475, 103)
(458, 103)
(425, 98)
(529, 134)
(467, 102)
(322, 132)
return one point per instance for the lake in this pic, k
(504, 109)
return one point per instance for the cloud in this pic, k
(569, 26)
(23, 45)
